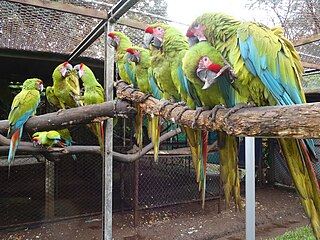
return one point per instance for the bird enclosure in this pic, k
(35, 37)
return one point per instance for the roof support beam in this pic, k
(306, 40)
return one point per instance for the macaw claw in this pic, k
(196, 116)
(214, 112)
(235, 109)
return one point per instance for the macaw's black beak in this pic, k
(131, 58)
(207, 76)
(193, 40)
(112, 42)
(147, 40)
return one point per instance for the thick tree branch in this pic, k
(27, 147)
(74, 116)
(297, 121)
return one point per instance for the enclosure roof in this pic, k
(49, 29)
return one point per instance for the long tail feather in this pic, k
(138, 127)
(205, 140)
(155, 130)
(14, 143)
(229, 170)
(304, 178)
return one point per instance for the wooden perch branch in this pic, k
(294, 121)
(74, 116)
(27, 147)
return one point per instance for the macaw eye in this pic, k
(197, 26)
(205, 59)
(159, 28)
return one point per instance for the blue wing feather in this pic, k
(131, 75)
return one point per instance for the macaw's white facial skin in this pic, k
(207, 71)
(113, 40)
(196, 34)
(133, 55)
(66, 69)
(79, 68)
(154, 36)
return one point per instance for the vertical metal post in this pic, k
(49, 189)
(107, 165)
(250, 187)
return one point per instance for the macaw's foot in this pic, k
(125, 88)
(163, 104)
(119, 81)
(185, 108)
(214, 112)
(133, 90)
(235, 109)
(146, 96)
(197, 113)
(59, 111)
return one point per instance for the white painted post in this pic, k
(250, 187)
(107, 170)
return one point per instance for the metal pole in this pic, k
(107, 170)
(250, 188)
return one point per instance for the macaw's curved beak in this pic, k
(79, 72)
(66, 70)
(193, 40)
(131, 58)
(112, 42)
(148, 39)
(207, 76)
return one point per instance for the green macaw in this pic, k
(126, 70)
(93, 94)
(23, 106)
(200, 63)
(66, 87)
(48, 138)
(268, 72)
(168, 46)
(141, 58)
(61, 138)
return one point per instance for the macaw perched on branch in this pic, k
(121, 42)
(93, 94)
(201, 63)
(48, 138)
(141, 58)
(268, 71)
(24, 105)
(168, 46)
(66, 88)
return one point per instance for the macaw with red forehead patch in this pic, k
(268, 72)
(93, 94)
(24, 105)
(141, 58)
(65, 91)
(168, 46)
(200, 64)
(120, 42)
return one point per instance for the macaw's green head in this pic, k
(203, 62)
(117, 38)
(207, 25)
(133, 55)
(33, 84)
(154, 35)
(62, 70)
(83, 72)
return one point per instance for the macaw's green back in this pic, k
(23, 106)
(219, 93)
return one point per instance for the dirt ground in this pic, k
(277, 211)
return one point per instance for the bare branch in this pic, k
(75, 116)
(27, 147)
(294, 121)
